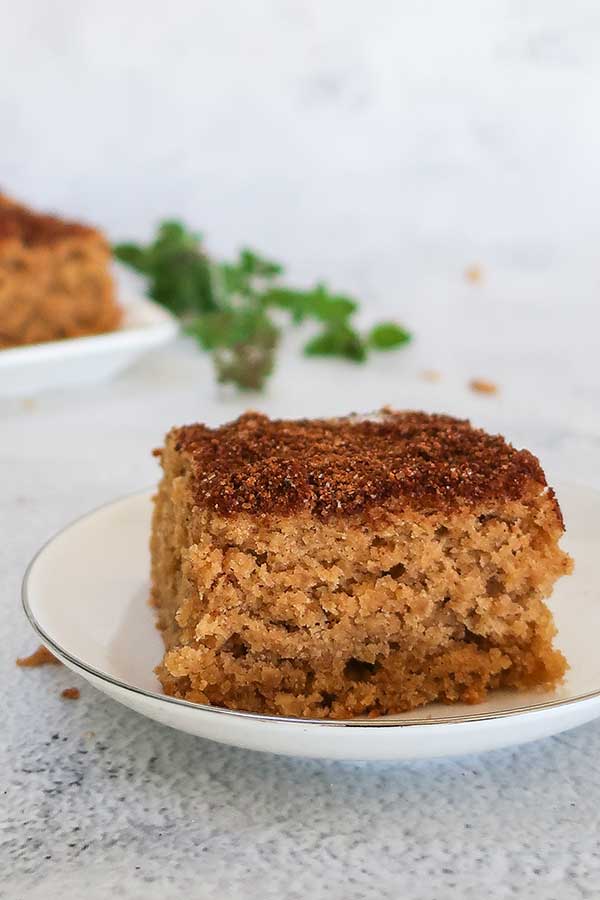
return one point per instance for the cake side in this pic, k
(342, 615)
(55, 279)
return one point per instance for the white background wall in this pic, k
(320, 129)
(384, 146)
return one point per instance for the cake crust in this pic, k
(33, 229)
(306, 598)
(346, 466)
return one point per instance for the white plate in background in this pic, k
(83, 360)
(86, 595)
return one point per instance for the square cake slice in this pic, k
(352, 567)
(54, 278)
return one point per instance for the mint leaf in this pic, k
(177, 269)
(341, 340)
(387, 336)
(228, 306)
(316, 304)
(132, 255)
(247, 276)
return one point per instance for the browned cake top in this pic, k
(36, 229)
(345, 466)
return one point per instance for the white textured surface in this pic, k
(384, 147)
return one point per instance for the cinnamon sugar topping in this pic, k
(345, 466)
(34, 229)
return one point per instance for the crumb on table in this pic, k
(474, 274)
(71, 693)
(430, 375)
(40, 657)
(481, 386)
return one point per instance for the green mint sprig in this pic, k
(233, 308)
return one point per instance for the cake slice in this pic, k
(352, 567)
(54, 278)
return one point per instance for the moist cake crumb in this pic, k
(357, 566)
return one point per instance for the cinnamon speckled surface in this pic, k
(388, 150)
(345, 466)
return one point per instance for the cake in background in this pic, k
(55, 279)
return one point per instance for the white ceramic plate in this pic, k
(39, 367)
(86, 592)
